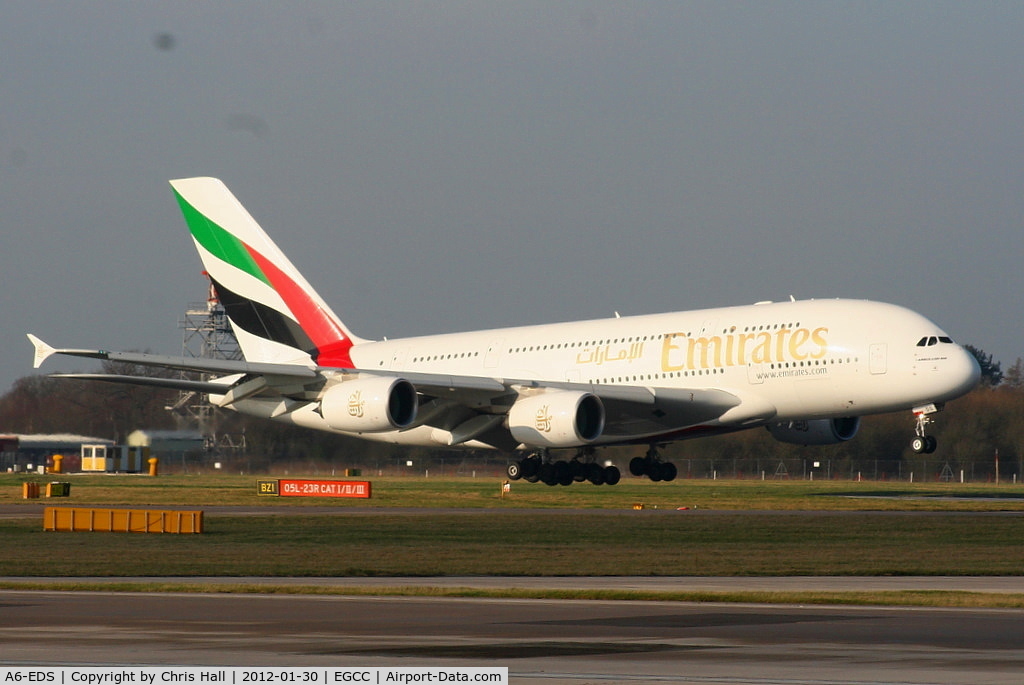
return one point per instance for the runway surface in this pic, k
(983, 584)
(539, 641)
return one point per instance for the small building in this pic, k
(100, 458)
(167, 444)
(29, 452)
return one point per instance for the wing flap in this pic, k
(669, 409)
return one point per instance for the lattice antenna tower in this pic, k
(206, 330)
(207, 334)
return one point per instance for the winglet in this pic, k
(43, 351)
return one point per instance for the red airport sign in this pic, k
(324, 488)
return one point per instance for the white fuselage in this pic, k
(787, 361)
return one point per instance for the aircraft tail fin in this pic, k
(276, 315)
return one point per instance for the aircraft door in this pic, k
(707, 328)
(877, 358)
(755, 373)
(398, 359)
(493, 355)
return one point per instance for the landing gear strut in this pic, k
(537, 467)
(924, 444)
(653, 467)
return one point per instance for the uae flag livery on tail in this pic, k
(276, 314)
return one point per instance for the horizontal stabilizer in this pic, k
(172, 383)
(44, 351)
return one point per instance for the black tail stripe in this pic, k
(263, 321)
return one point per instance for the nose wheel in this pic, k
(924, 444)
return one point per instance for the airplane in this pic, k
(807, 370)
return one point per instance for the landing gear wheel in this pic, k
(611, 475)
(563, 473)
(579, 471)
(638, 466)
(514, 471)
(924, 444)
(653, 467)
(530, 467)
(668, 471)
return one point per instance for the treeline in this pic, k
(970, 432)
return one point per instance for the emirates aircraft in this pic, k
(805, 370)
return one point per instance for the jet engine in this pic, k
(815, 432)
(372, 404)
(559, 418)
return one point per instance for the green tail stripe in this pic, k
(219, 242)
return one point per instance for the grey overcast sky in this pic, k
(446, 166)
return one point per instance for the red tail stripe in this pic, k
(331, 342)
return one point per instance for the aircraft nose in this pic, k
(967, 372)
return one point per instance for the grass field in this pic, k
(427, 527)
(474, 493)
(533, 544)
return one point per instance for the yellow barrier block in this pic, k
(30, 490)
(122, 520)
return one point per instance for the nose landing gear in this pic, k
(922, 443)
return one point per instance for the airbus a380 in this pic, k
(805, 370)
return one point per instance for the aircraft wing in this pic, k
(631, 412)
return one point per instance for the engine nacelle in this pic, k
(559, 418)
(815, 432)
(373, 404)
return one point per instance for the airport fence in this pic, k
(920, 469)
(909, 470)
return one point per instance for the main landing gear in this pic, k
(653, 467)
(924, 444)
(536, 467)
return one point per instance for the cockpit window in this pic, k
(945, 339)
(930, 340)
